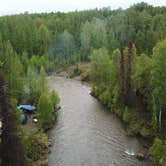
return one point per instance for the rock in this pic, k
(146, 146)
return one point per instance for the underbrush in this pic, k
(136, 120)
(138, 124)
(158, 150)
(37, 146)
(34, 137)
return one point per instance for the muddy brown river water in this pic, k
(87, 134)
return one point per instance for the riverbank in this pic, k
(68, 73)
(86, 132)
(136, 121)
(36, 142)
(35, 139)
(80, 72)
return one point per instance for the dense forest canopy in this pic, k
(127, 49)
(31, 41)
(37, 34)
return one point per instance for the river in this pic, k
(87, 134)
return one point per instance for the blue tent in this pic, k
(29, 108)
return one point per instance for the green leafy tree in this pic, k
(158, 150)
(44, 39)
(13, 70)
(93, 36)
(158, 80)
(46, 110)
(12, 151)
(35, 83)
(141, 78)
(54, 99)
(85, 37)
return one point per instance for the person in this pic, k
(24, 119)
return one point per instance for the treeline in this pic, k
(130, 80)
(67, 38)
(127, 50)
(132, 85)
(27, 84)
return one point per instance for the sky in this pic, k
(38, 6)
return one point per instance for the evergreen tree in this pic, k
(12, 152)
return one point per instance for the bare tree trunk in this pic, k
(12, 153)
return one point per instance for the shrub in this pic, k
(85, 76)
(46, 111)
(54, 99)
(126, 115)
(36, 145)
(145, 132)
(105, 97)
(158, 150)
(119, 112)
(76, 71)
(134, 128)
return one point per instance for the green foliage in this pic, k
(54, 99)
(141, 75)
(145, 132)
(134, 128)
(158, 150)
(105, 97)
(64, 50)
(13, 70)
(105, 76)
(39, 42)
(36, 145)
(100, 66)
(119, 112)
(158, 78)
(36, 62)
(76, 71)
(35, 83)
(93, 36)
(126, 115)
(44, 39)
(86, 39)
(41, 82)
(25, 61)
(140, 155)
(46, 111)
(47, 106)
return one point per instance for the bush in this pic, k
(158, 150)
(126, 115)
(76, 71)
(134, 128)
(54, 99)
(85, 76)
(37, 145)
(105, 97)
(145, 132)
(119, 112)
(46, 111)
(140, 155)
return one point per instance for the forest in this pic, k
(126, 49)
